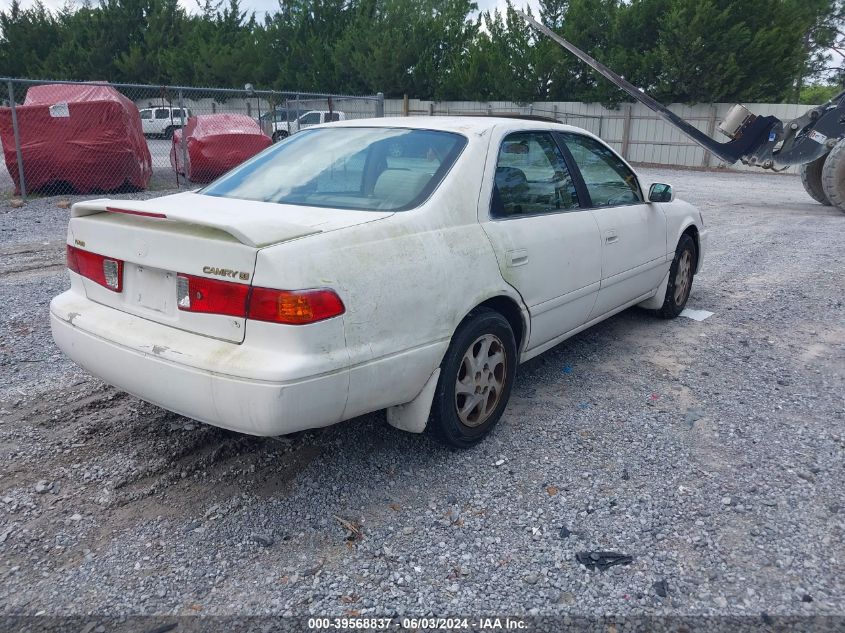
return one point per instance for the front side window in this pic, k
(609, 181)
(146, 115)
(333, 116)
(312, 118)
(368, 169)
(531, 177)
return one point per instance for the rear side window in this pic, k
(161, 113)
(531, 177)
(369, 169)
(609, 181)
(312, 118)
(334, 116)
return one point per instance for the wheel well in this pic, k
(693, 233)
(509, 309)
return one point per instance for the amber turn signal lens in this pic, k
(294, 307)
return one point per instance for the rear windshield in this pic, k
(369, 169)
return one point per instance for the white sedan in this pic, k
(403, 264)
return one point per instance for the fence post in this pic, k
(711, 130)
(380, 104)
(626, 130)
(17, 134)
(405, 105)
(182, 140)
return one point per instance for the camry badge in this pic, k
(225, 272)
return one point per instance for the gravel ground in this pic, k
(710, 452)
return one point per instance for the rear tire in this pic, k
(279, 136)
(476, 377)
(811, 178)
(681, 274)
(168, 132)
(833, 176)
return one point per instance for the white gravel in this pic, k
(711, 452)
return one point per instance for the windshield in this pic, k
(369, 169)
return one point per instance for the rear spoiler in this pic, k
(247, 227)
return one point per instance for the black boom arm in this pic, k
(753, 134)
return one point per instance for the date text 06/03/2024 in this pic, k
(417, 624)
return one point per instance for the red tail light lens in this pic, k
(106, 271)
(294, 307)
(201, 294)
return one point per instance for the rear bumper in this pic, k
(108, 343)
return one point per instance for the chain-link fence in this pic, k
(87, 138)
(636, 132)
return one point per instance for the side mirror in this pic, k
(660, 192)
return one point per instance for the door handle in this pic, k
(610, 236)
(517, 257)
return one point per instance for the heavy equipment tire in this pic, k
(811, 178)
(833, 176)
(681, 274)
(476, 377)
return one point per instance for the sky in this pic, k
(263, 6)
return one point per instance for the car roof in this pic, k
(461, 124)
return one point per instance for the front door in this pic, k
(633, 232)
(547, 243)
(147, 120)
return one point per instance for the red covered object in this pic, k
(84, 136)
(215, 143)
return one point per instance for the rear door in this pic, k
(633, 232)
(546, 242)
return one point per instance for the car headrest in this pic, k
(510, 177)
(399, 186)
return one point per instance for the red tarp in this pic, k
(216, 143)
(85, 136)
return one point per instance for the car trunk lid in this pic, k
(189, 234)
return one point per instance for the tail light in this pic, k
(291, 307)
(106, 271)
(201, 294)
(294, 307)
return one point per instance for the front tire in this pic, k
(279, 136)
(476, 378)
(833, 176)
(811, 178)
(168, 132)
(681, 274)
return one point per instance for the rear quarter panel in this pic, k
(407, 281)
